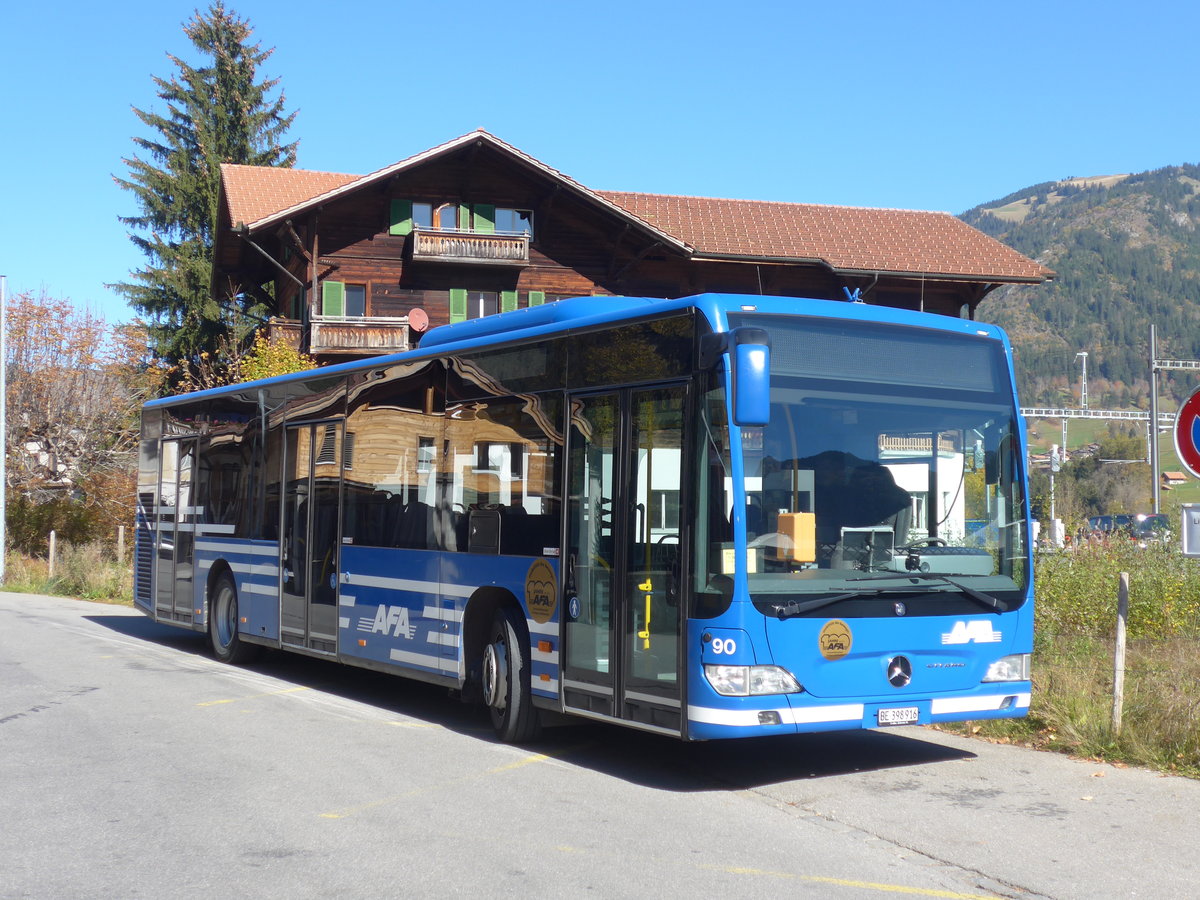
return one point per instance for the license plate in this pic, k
(900, 715)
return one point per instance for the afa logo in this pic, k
(977, 631)
(835, 639)
(541, 591)
(391, 620)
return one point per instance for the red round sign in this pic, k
(1187, 433)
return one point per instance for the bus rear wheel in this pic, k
(223, 635)
(506, 681)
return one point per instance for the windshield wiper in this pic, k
(793, 609)
(987, 600)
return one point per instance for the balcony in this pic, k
(457, 246)
(346, 335)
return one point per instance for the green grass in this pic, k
(1075, 624)
(92, 572)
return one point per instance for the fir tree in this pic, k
(215, 113)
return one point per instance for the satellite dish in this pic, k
(418, 320)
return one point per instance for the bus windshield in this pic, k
(890, 467)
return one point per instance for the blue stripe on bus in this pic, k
(405, 608)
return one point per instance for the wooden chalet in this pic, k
(355, 265)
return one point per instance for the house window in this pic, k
(339, 299)
(514, 221)
(356, 300)
(422, 215)
(447, 216)
(482, 303)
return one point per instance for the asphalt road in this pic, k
(134, 766)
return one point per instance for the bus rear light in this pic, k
(749, 681)
(1010, 668)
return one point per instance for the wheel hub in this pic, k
(495, 675)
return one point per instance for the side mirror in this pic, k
(752, 384)
(750, 356)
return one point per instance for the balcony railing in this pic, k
(457, 246)
(359, 335)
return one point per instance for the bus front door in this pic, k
(176, 531)
(309, 549)
(622, 566)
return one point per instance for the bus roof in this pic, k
(585, 313)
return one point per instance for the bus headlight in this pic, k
(1009, 668)
(747, 681)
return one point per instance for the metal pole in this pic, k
(1119, 653)
(1154, 476)
(3, 421)
(1083, 383)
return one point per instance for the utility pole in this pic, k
(1154, 477)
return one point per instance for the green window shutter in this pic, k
(485, 218)
(401, 218)
(537, 298)
(458, 305)
(508, 301)
(333, 298)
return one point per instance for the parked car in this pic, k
(1105, 525)
(1142, 527)
(1154, 527)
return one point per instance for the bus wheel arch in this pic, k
(227, 645)
(496, 641)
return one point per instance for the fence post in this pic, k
(53, 550)
(120, 543)
(1119, 654)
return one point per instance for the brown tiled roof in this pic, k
(847, 238)
(254, 192)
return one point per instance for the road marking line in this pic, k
(385, 801)
(293, 690)
(851, 883)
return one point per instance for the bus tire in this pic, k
(227, 645)
(506, 680)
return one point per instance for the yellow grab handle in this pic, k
(646, 587)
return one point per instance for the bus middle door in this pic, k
(311, 541)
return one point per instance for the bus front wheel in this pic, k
(227, 646)
(506, 681)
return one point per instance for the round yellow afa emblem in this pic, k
(835, 639)
(541, 591)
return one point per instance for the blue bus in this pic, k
(709, 517)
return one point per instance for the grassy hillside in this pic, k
(1127, 252)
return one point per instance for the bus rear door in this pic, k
(176, 531)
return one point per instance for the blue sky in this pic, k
(921, 105)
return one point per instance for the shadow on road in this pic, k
(634, 756)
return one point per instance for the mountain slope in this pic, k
(1127, 252)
